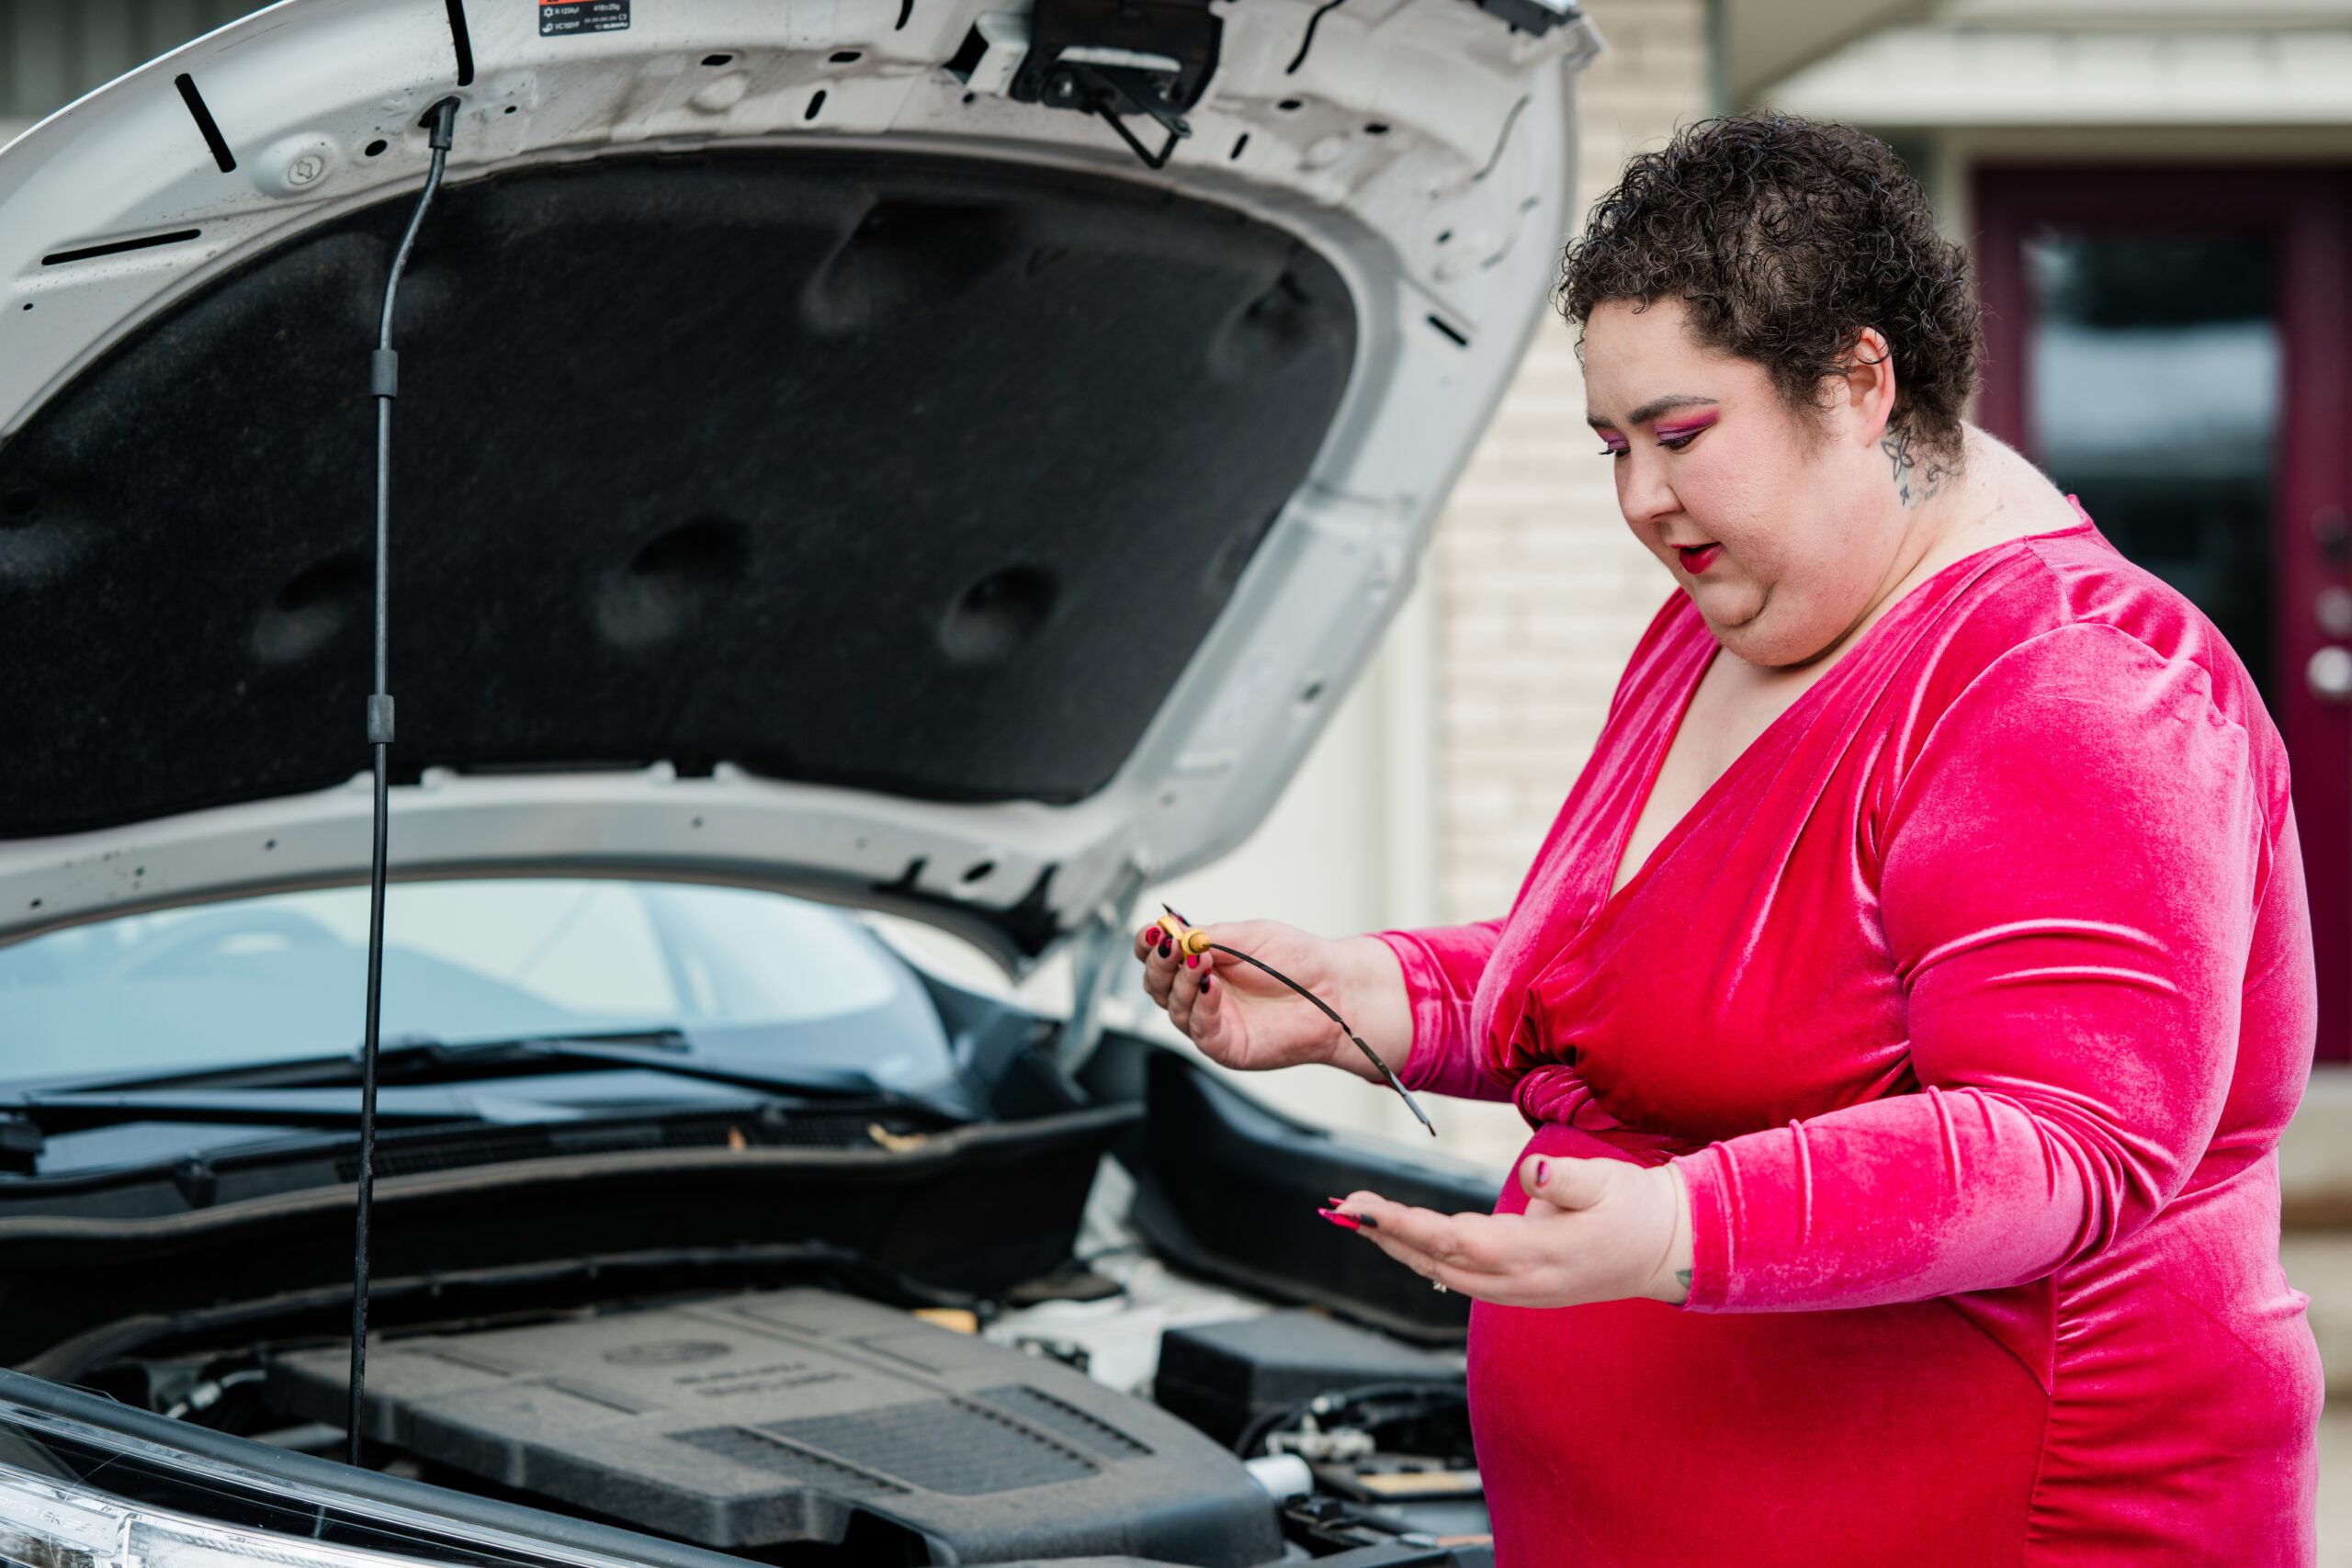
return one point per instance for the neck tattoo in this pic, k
(1912, 482)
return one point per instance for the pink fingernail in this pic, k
(1345, 1222)
(1194, 961)
(1543, 1171)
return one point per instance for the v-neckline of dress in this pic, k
(1655, 764)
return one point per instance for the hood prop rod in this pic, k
(384, 385)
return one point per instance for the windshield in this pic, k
(283, 977)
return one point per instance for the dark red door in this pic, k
(2174, 347)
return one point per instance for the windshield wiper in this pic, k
(413, 1060)
(329, 1109)
(210, 1094)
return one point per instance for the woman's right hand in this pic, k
(1241, 1017)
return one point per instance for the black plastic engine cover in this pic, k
(759, 1419)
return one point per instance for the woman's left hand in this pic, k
(1595, 1229)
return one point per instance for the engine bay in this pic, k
(1152, 1388)
(812, 1425)
(776, 1417)
(780, 493)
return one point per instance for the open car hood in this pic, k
(816, 466)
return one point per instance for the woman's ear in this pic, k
(1866, 400)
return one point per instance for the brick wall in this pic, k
(1539, 593)
(1541, 590)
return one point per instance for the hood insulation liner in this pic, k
(914, 474)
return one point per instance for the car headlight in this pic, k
(46, 1524)
(126, 1489)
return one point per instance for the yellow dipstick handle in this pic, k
(1194, 942)
(1189, 942)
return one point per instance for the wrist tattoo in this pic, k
(1912, 482)
(1682, 1277)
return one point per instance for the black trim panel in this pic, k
(116, 247)
(198, 112)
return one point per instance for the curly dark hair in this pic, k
(1783, 238)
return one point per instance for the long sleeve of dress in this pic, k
(1442, 965)
(2067, 870)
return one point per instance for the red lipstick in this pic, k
(1697, 558)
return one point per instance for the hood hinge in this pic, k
(1095, 954)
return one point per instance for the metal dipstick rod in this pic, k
(384, 382)
(1193, 942)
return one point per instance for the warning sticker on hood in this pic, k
(582, 16)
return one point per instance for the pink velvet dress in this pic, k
(1971, 1001)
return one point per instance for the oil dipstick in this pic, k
(1194, 942)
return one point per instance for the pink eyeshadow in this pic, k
(1687, 427)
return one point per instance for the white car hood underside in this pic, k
(1419, 148)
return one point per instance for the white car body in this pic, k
(1444, 222)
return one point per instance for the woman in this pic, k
(1910, 994)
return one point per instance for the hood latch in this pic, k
(1107, 58)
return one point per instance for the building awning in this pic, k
(1949, 76)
